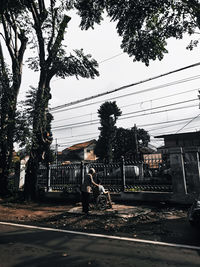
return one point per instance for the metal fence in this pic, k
(116, 177)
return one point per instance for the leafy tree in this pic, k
(50, 22)
(24, 120)
(128, 142)
(108, 114)
(14, 32)
(144, 25)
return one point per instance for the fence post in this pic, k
(123, 173)
(48, 177)
(192, 169)
(141, 170)
(178, 171)
(82, 173)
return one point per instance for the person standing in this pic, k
(86, 190)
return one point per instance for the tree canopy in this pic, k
(108, 114)
(144, 25)
(128, 142)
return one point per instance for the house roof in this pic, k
(149, 149)
(190, 134)
(81, 145)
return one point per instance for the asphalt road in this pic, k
(21, 246)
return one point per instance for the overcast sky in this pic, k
(117, 69)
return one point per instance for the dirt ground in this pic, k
(158, 222)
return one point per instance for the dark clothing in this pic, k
(85, 190)
(86, 185)
(85, 202)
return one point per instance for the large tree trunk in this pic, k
(41, 125)
(8, 112)
(40, 141)
(30, 188)
(7, 123)
(6, 149)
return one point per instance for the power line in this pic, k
(134, 112)
(139, 125)
(94, 122)
(125, 86)
(133, 104)
(166, 133)
(96, 133)
(188, 123)
(158, 123)
(134, 93)
(107, 59)
(156, 112)
(167, 126)
(150, 130)
(159, 98)
(164, 106)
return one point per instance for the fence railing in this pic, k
(116, 177)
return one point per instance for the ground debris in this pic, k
(132, 221)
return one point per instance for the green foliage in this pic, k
(14, 6)
(108, 114)
(24, 120)
(75, 65)
(144, 25)
(127, 141)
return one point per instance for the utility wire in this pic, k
(156, 112)
(158, 123)
(129, 113)
(107, 59)
(133, 93)
(133, 104)
(94, 122)
(125, 86)
(158, 140)
(166, 133)
(166, 126)
(188, 123)
(163, 106)
(96, 133)
(139, 125)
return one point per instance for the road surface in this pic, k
(38, 247)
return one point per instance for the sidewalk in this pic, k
(119, 210)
